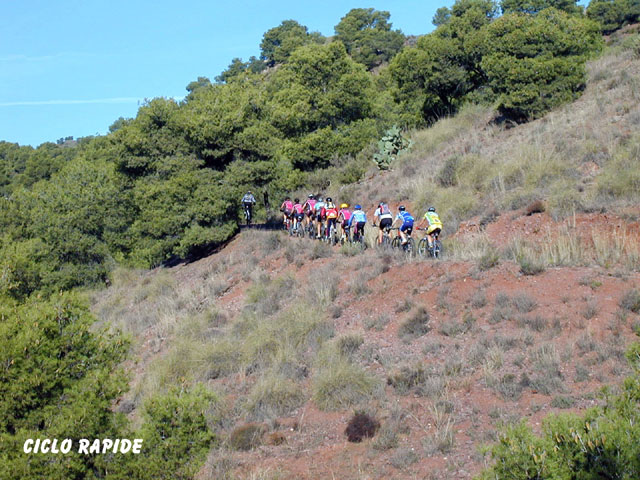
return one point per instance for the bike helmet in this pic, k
(432, 209)
(310, 195)
(297, 200)
(344, 205)
(357, 207)
(401, 208)
(329, 199)
(319, 199)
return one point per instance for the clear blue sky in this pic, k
(72, 67)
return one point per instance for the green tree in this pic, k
(535, 63)
(320, 92)
(535, 6)
(64, 232)
(613, 14)
(435, 76)
(204, 81)
(367, 35)
(59, 380)
(279, 42)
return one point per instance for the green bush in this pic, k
(58, 378)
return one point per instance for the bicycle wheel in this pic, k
(437, 249)
(410, 247)
(396, 242)
(423, 247)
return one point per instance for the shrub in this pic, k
(631, 301)
(176, 435)
(489, 259)
(529, 265)
(339, 384)
(361, 426)
(272, 396)
(601, 443)
(247, 437)
(524, 303)
(407, 378)
(416, 325)
(349, 344)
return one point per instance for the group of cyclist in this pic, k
(322, 216)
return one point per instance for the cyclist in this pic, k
(308, 208)
(343, 218)
(318, 209)
(358, 220)
(406, 226)
(384, 217)
(330, 212)
(298, 214)
(286, 208)
(248, 201)
(433, 220)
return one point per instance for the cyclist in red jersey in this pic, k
(330, 212)
(308, 208)
(297, 212)
(343, 218)
(286, 208)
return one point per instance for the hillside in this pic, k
(530, 311)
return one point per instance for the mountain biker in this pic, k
(248, 201)
(286, 208)
(343, 218)
(433, 220)
(298, 214)
(308, 208)
(358, 220)
(385, 218)
(330, 212)
(406, 220)
(317, 209)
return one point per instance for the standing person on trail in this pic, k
(384, 217)
(248, 201)
(330, 212)
(343, 219)
(286, 208)
(297, 213)
(358, 220)
(318, 208)
(308, 209)
(406, 226)
(434, 223)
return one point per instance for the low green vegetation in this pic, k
(600, 443)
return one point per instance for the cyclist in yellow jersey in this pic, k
(433, 220)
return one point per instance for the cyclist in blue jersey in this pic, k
(406, 223)
(357, 222)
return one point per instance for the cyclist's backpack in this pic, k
(384, 209)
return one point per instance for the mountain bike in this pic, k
(247, 213)
(331, 234)
(386, 236)
(408, 247)
(435, 251)
(298, 230)
(345, 236)
(358, 236)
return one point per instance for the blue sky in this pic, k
(72, 67)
